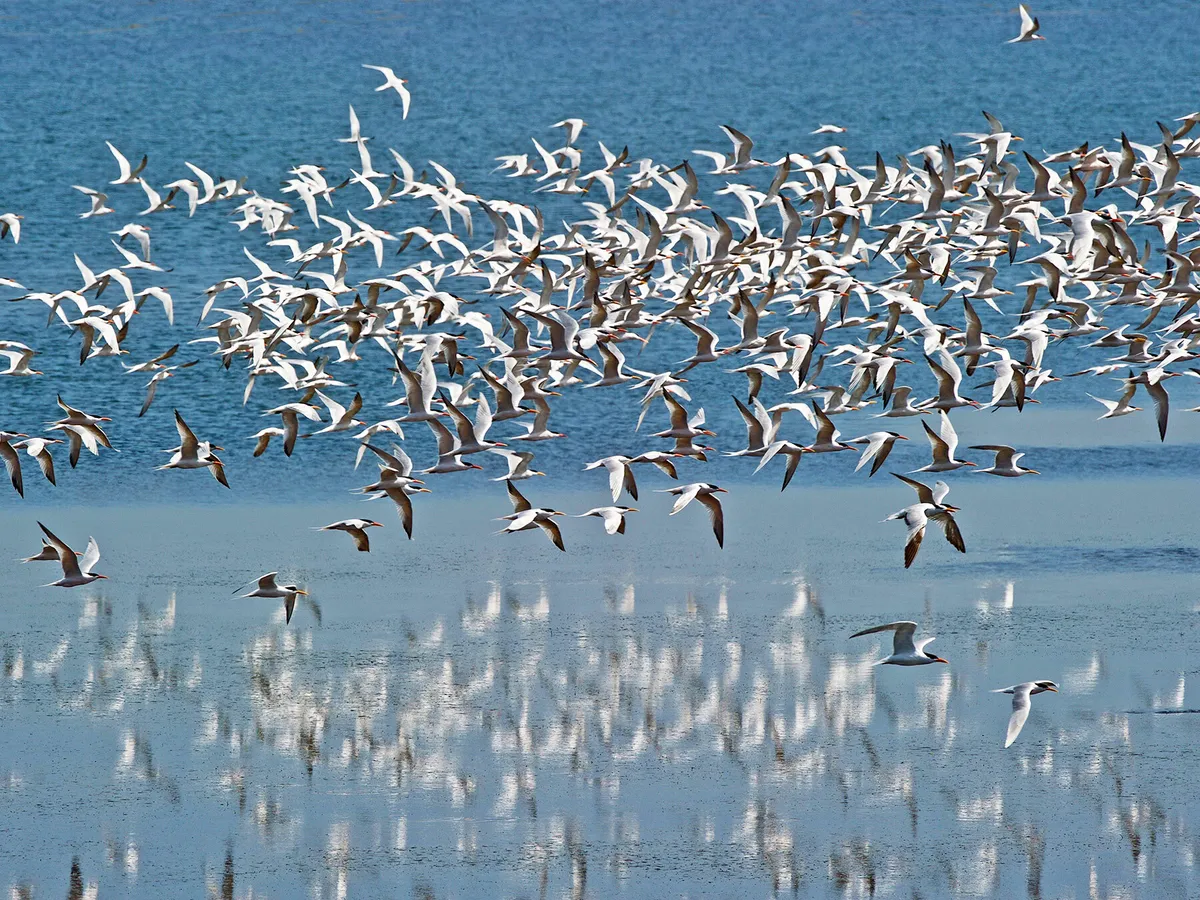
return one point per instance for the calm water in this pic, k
(471, 716)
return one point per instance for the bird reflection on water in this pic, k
(569, 751)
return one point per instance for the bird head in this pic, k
(948, 508)
(376, 524)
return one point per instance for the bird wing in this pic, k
(66, 556)
(925, 493)
(520, 504)
(1162, 406)
(953, 535)
(1004, 454)
(949, 435)
(916, 534)
(1020, 713)
(336, 410)
(940, 490)
(902, 640)
(552, 531)
(361, 541)
(91, 556)
(941, 450)
(12, 462)
(717, 515)
(267, 582)
(686, 495)
(188, 444)
(400, 497)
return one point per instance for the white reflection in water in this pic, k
(497, 731)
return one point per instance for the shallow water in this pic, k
(470, 715)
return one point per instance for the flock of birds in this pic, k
(862, 270)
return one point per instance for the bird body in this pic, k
(905, 650)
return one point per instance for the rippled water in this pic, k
(471, 716)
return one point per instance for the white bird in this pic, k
(395, 83)
(1120, 406)
(879, 445)
(19, 357)
(905, 651)
(99, 201)
(77, 571)
(1006, 462)
(707, 495)
(930, 506)
(518, 465)
(943, 447)
(268, 589)
(1029, 27)
(1021, 703)
(526, 516)
(613, 516)
(36, 447)
(829, 129)
(341, 418)
(357, 529)
(289, 413)
(620, 475)
(192, 453)
(10, 223)
(127, 175)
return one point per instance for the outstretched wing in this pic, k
(902, 640)
(717, 515)
(520, 504)
(925, 494)
(188, 444)
(1020, 712)
(552, 531)
(66, 556)
(91, 556)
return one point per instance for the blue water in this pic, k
(473, 716)
(253, 92)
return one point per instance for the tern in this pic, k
(192, 453)
(77, 571)
(707, 495)
(943, 447)
(930, 507)
(1006, 462)
(1021, 703)
(357, 529)
(613, 516)
(1029, 28)
(526, 516)
(395, 83)
(268, 589)
(879, 446)
(905, 651)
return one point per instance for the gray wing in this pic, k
(1020, 712)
